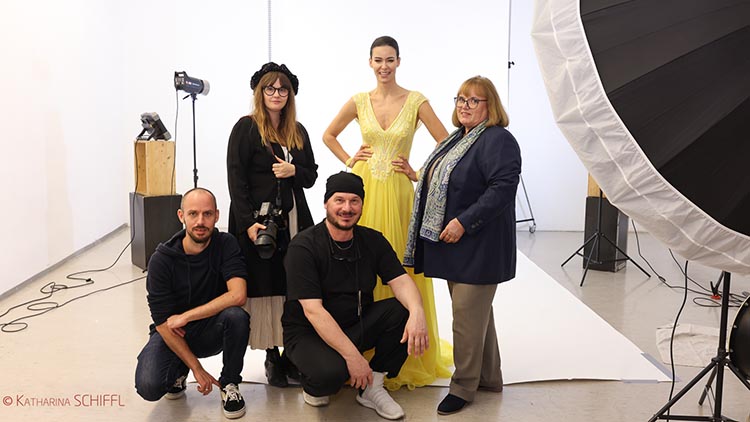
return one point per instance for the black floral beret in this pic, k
(273, 67)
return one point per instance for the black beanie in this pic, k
(346, 183)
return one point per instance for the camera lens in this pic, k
(265, 243)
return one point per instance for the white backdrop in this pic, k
(78, 74)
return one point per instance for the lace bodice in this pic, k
(396, 139)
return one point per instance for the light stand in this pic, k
(596, 240)
(193, 86)
(716, 366)
(195, 161)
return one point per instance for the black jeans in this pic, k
(159, 367)
(323, 371)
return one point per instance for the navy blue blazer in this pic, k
(482, 195)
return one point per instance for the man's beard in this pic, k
(198, 239)
(331, 218)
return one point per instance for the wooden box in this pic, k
(154, 168)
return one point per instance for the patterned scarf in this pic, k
(437, 192)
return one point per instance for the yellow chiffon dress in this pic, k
(389, 198)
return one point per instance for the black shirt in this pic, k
(319, 268)
(178, 282)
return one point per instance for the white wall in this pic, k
(440, 47)
(78, 74)
(555, 179)
(64, 137)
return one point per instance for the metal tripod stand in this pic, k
(716, 367)
(596, 241)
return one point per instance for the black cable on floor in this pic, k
(41, 306)
(709, 298)
(706, 297)
(674, 328)
(638, 246)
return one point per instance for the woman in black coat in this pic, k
(269, 160)
(464, 230)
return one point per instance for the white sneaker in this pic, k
(315, 401)
(177, 390)
(375, 397)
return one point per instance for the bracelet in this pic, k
(348, 162)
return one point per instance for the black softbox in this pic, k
(654, 97)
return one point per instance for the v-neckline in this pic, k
(375, 116)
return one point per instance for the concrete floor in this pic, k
(76, 363)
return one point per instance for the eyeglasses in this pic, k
(270, 90)
(470, 102)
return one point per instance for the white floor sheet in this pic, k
(545, 333)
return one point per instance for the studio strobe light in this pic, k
(193, 86)
(183, 82)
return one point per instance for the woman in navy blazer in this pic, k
(464, 230)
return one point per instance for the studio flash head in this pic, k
(183, 82)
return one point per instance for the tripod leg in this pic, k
(684, 390)
(589, 240)
(707, 387)
(626, 255)
(532, 228)
(588, 258)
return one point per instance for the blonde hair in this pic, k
(287, 131)
(484, 87)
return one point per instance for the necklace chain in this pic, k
(351, 242)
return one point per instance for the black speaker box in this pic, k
(153, 219)
(614, 225)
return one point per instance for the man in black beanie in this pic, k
(330, 317)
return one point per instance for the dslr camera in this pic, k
(271, 217)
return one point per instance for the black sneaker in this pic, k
(232, 402)
(177, 390)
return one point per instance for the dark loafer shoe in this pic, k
(451, 404)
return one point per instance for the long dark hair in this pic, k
(287, 131)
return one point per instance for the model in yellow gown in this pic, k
(390, 197)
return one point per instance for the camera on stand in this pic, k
(272, 217)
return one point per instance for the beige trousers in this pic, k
(475, 350)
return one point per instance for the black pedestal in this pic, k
(615, 227)
(153, 219)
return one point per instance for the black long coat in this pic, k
(482, 195)
(252, 182)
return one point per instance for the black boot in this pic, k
(275, 372)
